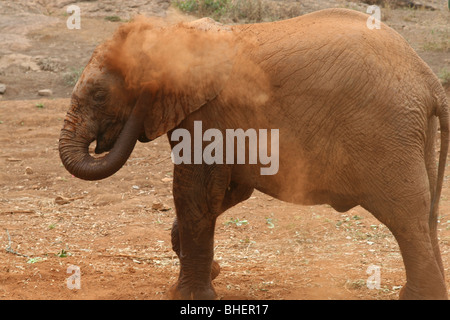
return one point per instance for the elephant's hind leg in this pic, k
(405, 211)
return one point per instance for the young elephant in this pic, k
(356, 112)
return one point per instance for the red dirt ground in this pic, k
(117, 231)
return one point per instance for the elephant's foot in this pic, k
(185, 292)
(408, 293)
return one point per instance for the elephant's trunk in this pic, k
(74, 146)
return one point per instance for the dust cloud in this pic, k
(169, 59)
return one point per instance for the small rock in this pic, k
(45, 92)
(160, 206)
(28, 170)
(2, 88)
(106, 199)
(166, 179)
(61, 200)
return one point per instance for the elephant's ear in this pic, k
(195, 65)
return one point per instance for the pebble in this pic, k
(28, 170)
(2, 88)
(159, 206)
(60, 200)
(45, 92)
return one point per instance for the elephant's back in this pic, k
(327, 22)
(327, 18)
(330, 26)
(334, 50)
(326, 33)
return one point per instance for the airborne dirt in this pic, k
(117, 231)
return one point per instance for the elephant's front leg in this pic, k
(193, 234)
(196, 258)
(215, 268)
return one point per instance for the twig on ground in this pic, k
(17, 211)
(162, 160)
(8, 248)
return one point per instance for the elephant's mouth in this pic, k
(143, 138)
(100, 149)
(103, 145)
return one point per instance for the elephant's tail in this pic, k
(443, 114)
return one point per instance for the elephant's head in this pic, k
(102, 110)
(139, 85)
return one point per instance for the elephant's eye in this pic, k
(100, 96)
